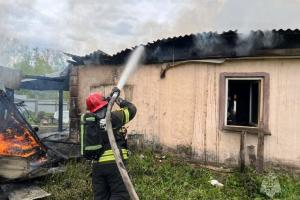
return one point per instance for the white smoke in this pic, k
(266, 39)
(81, 27)
(245, 43)
(247, 15)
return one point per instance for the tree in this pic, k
(42, 67)
(36, 66)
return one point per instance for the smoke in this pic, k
(206, 42)
(246, 43)
(271, 39)
(245, 15)
(80, 27)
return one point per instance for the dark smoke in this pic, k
(247, 43)
(207, 43)
(242, 45)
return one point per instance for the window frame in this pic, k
(227, 79)
(263, 122)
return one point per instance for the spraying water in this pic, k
(131, 66)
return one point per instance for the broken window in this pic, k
(243, 101)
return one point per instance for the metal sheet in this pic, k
(13, 167)
(22, 191)
(10, 78)
(207, 45)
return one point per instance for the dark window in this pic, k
(243, 100)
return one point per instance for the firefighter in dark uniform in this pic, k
(106, 179)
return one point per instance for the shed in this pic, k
(198, 92)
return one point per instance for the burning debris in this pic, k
(23, 156)
(16, 136)
(21, 152)
(12, 143)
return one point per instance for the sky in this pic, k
(81, 27)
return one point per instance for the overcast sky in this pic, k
(83, 26)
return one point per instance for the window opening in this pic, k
(243, 101)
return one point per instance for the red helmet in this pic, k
(95, 101)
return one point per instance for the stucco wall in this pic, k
(183, 108)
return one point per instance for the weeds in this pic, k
(161, 178)
(74, 183)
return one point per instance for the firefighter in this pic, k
(106, 179)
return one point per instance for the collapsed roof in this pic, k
(54, 81)
(209, 45)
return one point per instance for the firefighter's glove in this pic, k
(118, 100)
(107, 98)
(115, 90)
(122, 102)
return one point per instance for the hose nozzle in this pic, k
(115, 92)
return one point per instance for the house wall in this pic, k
(183, 108)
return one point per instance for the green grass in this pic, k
(74, 183)
(170, 179)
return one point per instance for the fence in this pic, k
(37, 105)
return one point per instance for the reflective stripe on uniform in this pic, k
(90, 119)
(109, 155)
(81, 134)
(91, 148)
(126, 113)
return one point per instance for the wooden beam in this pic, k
(252, 156)
(60, 110)
(242, 151)
(57, 79)
(260, 152)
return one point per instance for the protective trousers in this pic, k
(107, 182)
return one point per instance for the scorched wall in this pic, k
(183, 107)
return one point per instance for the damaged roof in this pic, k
(206, 45)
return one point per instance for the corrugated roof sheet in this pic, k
(229, 44)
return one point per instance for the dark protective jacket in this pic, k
(118, 119)
(106, 180)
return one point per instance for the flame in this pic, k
(13, 143)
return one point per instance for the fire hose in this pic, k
(116, 151)
(130, 67)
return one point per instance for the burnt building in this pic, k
(200, 91)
